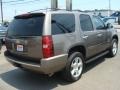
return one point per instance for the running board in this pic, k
(96, 57)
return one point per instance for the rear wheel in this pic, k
(114, 48)
(74, 68)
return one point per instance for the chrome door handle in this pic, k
(85, 37)
(99, 35)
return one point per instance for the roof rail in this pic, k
(78, 10)
(51, 9)
(47, 9)
(39, 10)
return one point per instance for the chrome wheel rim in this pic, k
(115, 48)
(76, 67)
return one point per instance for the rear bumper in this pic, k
(46, 66)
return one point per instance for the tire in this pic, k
(114, 48)
(74, 67)
(3, 42)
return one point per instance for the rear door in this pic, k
(24, 36)
(63, 31)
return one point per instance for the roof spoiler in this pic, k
(54, 5)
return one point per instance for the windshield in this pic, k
(31, 26)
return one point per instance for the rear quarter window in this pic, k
(32, 26)
(63, 23)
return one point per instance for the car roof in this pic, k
(64, 11)
(57, 12)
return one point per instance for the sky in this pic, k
(22, 6)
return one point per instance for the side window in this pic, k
(98, 23)
(63, 23)
(86, 23)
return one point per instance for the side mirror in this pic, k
(109, 25)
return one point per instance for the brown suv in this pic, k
(54, 41)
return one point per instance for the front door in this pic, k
(89, 35)
(101, 33)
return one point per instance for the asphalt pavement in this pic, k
(102, 74)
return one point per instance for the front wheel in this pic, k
(114, 48)
(74, 68)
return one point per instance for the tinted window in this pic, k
(98, 23)
(26, 27)
(63, 23)
(86, 23)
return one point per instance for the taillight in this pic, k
(47, 46)
(6, 36)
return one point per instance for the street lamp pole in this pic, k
(69, 5)
(1, 4)
(54, 4)
(109, 7)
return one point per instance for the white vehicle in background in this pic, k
(111, 20)
(116, 15)
(3, 31)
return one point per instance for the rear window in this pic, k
(26, 26)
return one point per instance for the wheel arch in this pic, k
(78, 48)
(115, 37)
